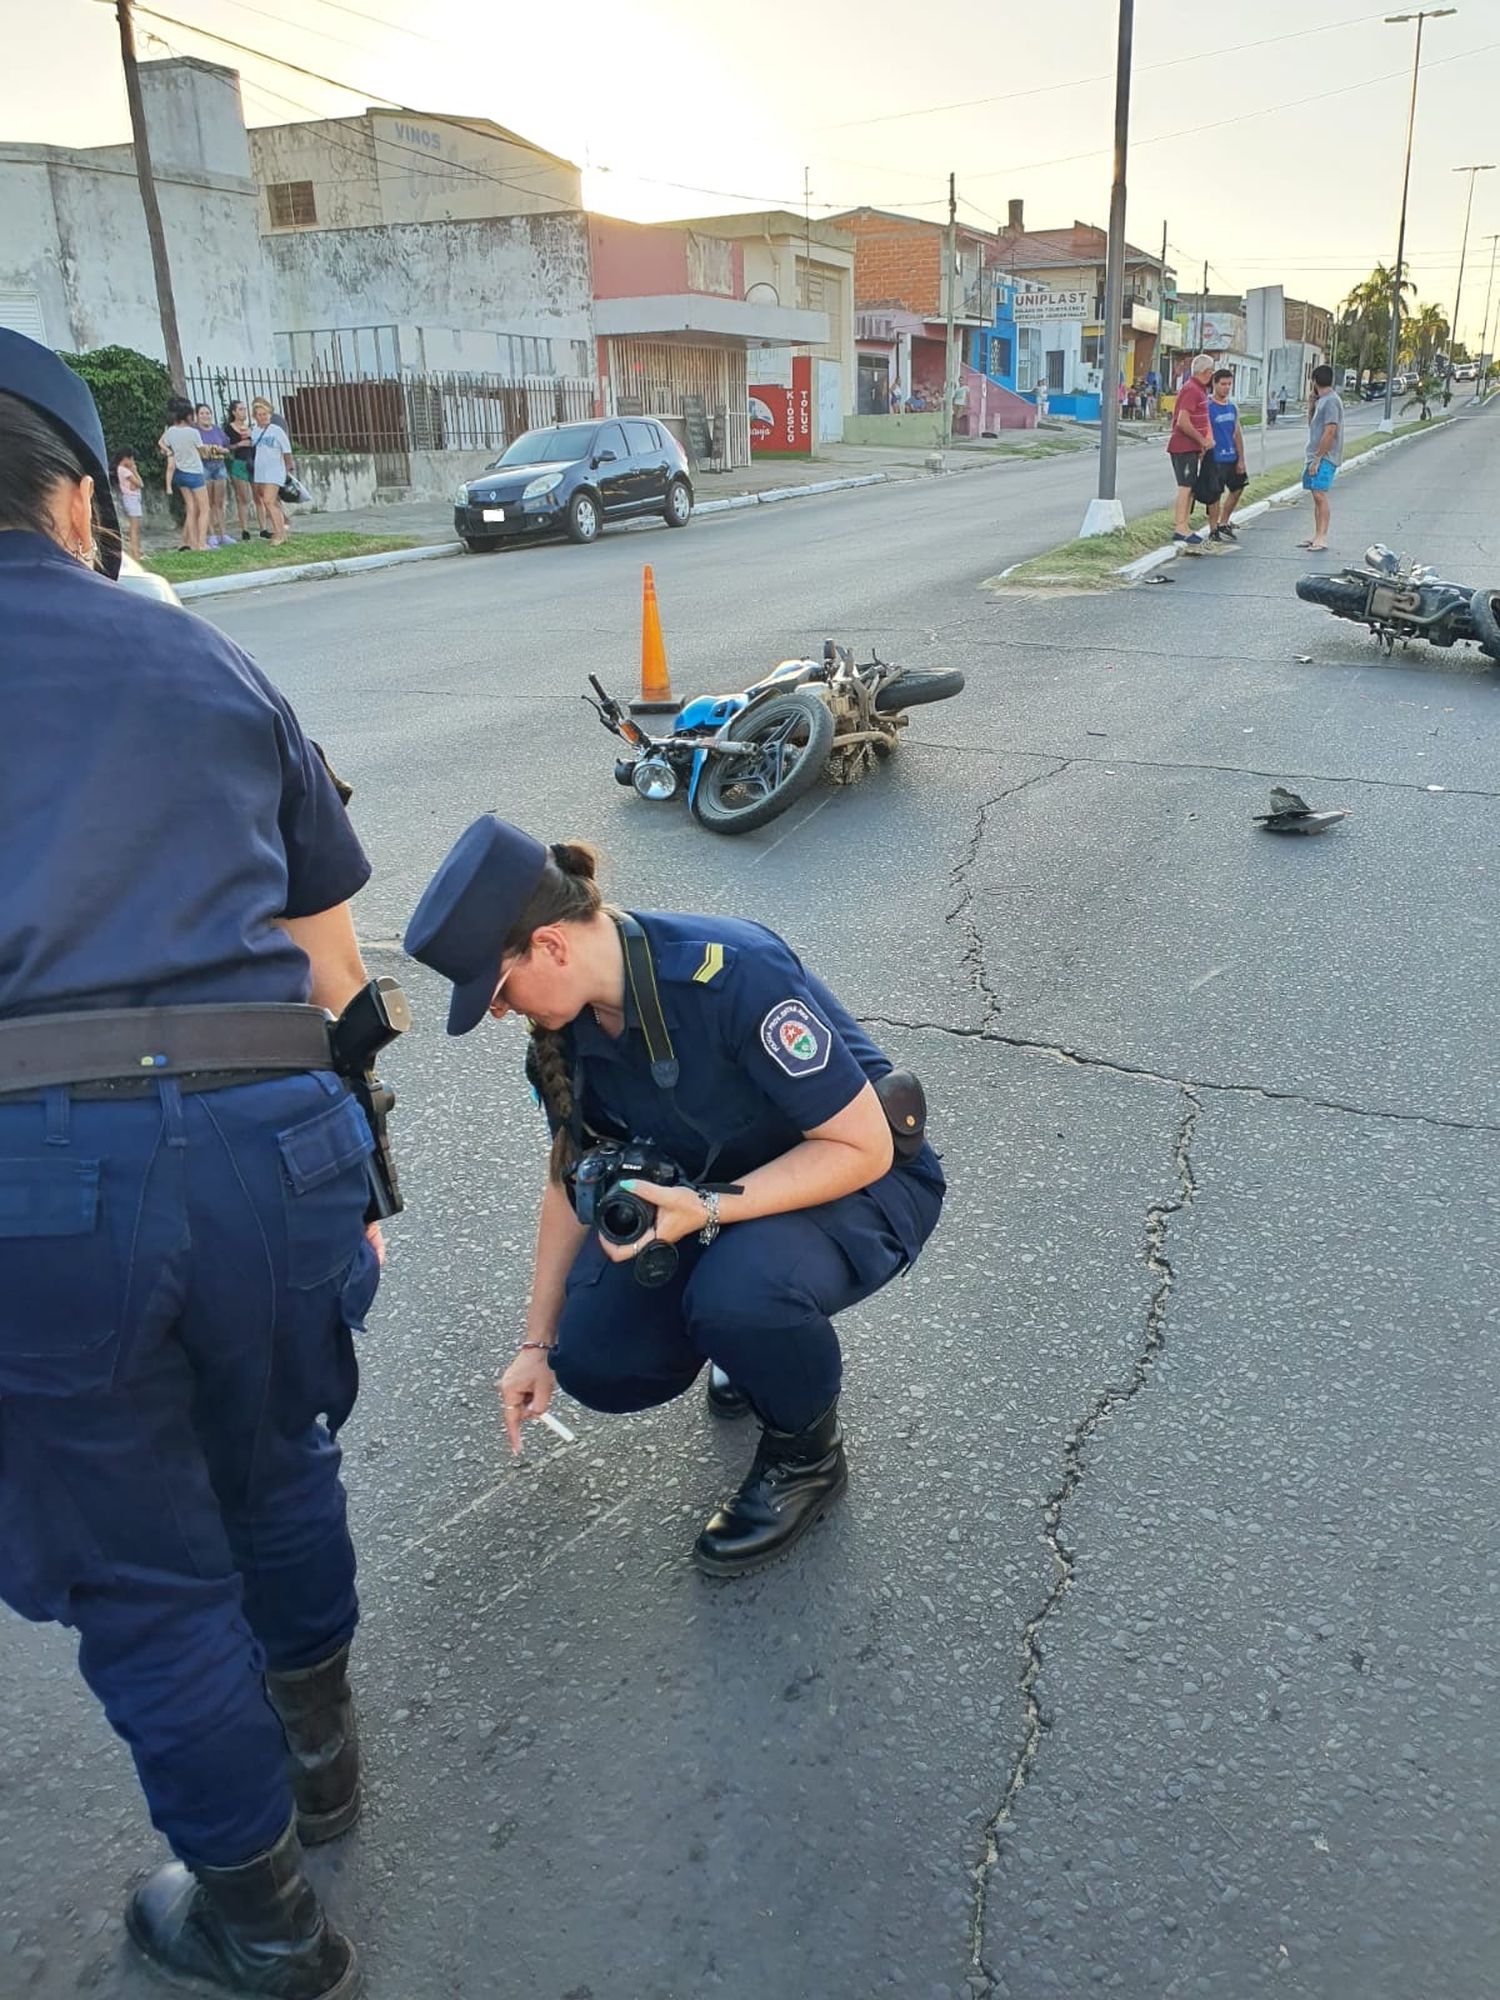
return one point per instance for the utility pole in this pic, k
(1105, 512)
(952, 262)
(1387, 422)
(1203, 303)
(165, 304)
(1161, 313)
(1472, 172)
(1481, 378)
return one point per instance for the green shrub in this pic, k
(132, 392)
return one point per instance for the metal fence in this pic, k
(390, 417)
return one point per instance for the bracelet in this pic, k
(710, 1229)
(540, 1346)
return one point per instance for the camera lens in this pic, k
(623, 1217)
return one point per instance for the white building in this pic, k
(75, 261)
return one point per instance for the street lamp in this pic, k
(1482, 376)
(1463, 252)
(1105, 513)
(1388, 422)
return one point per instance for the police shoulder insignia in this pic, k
(712, 966)
(795, 1039)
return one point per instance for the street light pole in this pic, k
(1481, 378)
(945, 435)
(1105, 513)
(1462, 254)
(1387, 422)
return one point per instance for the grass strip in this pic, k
(1093, 561)
(186, 566)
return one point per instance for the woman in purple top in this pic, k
(215, 456)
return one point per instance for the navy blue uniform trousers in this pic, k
(759, 1301)
(180, 1277)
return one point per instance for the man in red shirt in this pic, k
(1191, 438)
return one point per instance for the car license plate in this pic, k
(492, 514)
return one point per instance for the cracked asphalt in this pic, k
(1154, 1649)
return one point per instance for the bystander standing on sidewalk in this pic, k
(180, 445)
(1228, 454)
(241, 464)
(1191, 437)
(273, 466)
(128, 484)
(1325, 451)
(215, 452)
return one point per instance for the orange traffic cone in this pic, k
(656, 683)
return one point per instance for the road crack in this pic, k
(1059, 1052)
(972, 955)
(1100, 1411)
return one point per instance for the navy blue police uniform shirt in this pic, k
(766, 1053)
(160, 806)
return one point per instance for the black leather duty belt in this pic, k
(137, 1045)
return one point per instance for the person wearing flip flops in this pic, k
(1325, 451)
(1191, 437)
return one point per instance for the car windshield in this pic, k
(566, 442)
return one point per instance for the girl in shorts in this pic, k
(183, 450)
(128, 481)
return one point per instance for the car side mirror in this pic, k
(604, 458)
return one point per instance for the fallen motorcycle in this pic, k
(742, 759)
(1405, 600)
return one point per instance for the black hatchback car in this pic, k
(573, 478)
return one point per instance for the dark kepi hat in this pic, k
(34, 374)
(470, 907)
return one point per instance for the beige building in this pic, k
(403, 166)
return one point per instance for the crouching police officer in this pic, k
(734, 1162)
(183, 1192)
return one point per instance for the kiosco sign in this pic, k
(781, 417)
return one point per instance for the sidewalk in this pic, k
(432, 520)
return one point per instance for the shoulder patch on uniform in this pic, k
(712, 966)
(795, 1039)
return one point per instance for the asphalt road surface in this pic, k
(1154, 1649)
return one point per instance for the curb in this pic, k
(260, 579)
(1132, 572)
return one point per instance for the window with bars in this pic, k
(293, 204)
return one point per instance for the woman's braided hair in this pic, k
(566, 894)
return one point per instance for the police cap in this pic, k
(470, 907)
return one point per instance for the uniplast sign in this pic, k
(781, 414)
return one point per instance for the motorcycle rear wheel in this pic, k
(913, 687)
(787, 740)
(1484, 609)
(1335, 594)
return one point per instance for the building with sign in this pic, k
(1073, 260)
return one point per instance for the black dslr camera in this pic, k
(621, 1217)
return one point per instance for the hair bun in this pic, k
(575, 857)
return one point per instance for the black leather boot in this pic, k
(316, 1707)
(253, 1930)
(725, 1398)
(794, 1476)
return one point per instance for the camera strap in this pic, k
(640, 977)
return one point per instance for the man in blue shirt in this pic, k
(1229, 455)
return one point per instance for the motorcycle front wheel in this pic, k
(1336, 594)
(787, 741)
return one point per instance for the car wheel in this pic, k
(679, 507)
(480, 545)
(583, 518)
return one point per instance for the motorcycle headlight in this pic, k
(654, 778)
(548, 483)
(461, 497)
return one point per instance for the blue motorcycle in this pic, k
(742, 759)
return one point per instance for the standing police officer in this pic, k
(778, 1170)
(183, 1184)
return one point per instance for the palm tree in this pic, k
(1423, 336)
(1365, 317)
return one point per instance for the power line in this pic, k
(375, 20)
(1104, 76)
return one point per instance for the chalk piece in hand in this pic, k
(557, 1426)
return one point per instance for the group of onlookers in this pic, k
(248, 454)
(1207, 451)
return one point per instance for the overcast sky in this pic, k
(739, 101)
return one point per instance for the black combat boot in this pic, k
(794, 1476)
(316, 1707)
(253, 1930)
(725, 1398)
